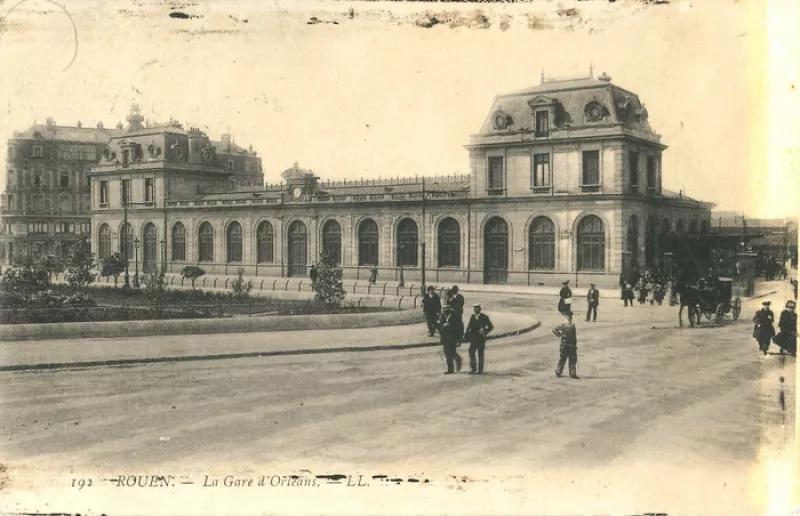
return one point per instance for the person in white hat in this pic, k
(764, 329)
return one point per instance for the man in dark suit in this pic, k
(450, 334)
(592, 300)
(431, 308)
(456, 301)
(478, 328)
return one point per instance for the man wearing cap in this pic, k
(478, 328)
(568, 348)
(565, 298)
(431, 309)
(456, 301)
(787, 338)
(450, 333)
(592, 300)
(764, 330)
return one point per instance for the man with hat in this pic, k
(478, 328)
(450, 333)
(787, 338)
(456, 301)
(568, 348)
(565, 298)
(431, 309)
(592, 300)
(764, 330)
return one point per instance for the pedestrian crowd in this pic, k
(648, 288)
(764, 329)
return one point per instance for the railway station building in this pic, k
(565, 182)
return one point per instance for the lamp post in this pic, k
(124, 249)
(136, 250)
(163, 256)
(400, 256)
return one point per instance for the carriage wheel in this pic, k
(737, 308)
(720, 315)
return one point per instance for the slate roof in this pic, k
(68, 133)
(571, 98)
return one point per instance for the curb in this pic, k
(251, 354)
(762, 295)
(202, 326)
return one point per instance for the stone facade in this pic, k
(565, 183)
(45, 204)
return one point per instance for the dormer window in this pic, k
(594, 112)
(37, 151)
(501, 120)
(126, 156)
(542, 123)
(231, 165)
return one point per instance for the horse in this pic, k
(688, 296)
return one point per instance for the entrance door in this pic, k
(298, 243)
(495, 269)
(149, 250)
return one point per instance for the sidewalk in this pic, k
(51, 354)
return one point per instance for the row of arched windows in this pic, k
(541, 242)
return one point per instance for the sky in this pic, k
(376, 96)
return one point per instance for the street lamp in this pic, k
(400, 259)
(136, 250)
(163, 256)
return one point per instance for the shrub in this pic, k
(155, 288)
(113, 265)
(49, 264)
(192, 272)
(79, 265)
(328, 287)
(22, 283)
(240, 287)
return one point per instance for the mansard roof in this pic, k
(67, 133)
(582, 103)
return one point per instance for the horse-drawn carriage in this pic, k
(717, 301)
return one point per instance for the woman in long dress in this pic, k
(787, 338)
(764, 330)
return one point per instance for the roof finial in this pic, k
(591, 70)
(542, 76)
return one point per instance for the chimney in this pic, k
(79, 124)
(100, 125)
(226, 141)
(50, 122)
(135, 119)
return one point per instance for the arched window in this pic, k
(704, 226)
(368, 242)
(149, 248)
(679, 227)
(332, 240)
(178, 242)
(449, 243)
(633, 239)
(234, 240)
(591, 244)
(542, 244)
(666, 227)
(654, 240)
(126, 241)
(265, 239)
(693, 226)
(407, 243)
(104, 242)
(206, 242)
